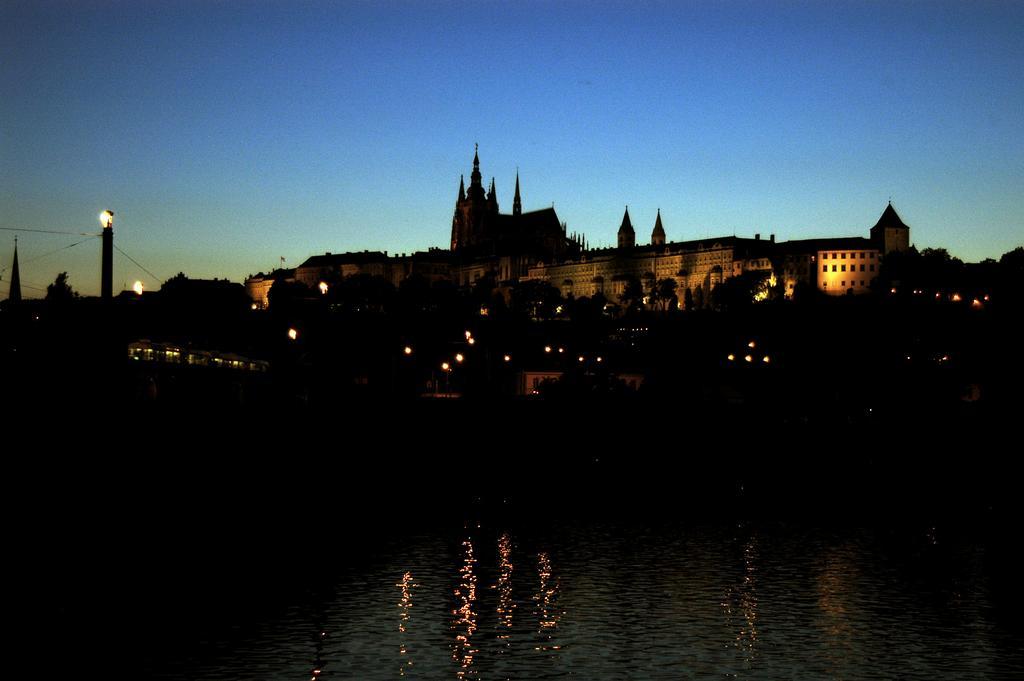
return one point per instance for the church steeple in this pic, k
(492, 198)
(14, 295)
(517, 204)
(658, 235)
(627, 237)
(475, 178)
(462, 188)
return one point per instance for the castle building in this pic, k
(486, 241)
(535, 245)
(835, 266)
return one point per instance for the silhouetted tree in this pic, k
(664, 292)
(688, 302)
(536, 299)
(60, 291)
(632, 297)
(739, 291)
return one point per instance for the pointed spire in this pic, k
(517, 204)
(462, 188)
(14, 295)
(658, 235)
(475, 178)
(627, 237)
(492, 197)
(890, 218)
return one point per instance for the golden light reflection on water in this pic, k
(464, 617)
(547, 603)
(740, 606)
(833, 601)
(404, 604)
(506, 606)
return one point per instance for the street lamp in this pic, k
(107, 260)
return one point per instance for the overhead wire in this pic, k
(58, 250)
(137, 263)
(46, 231)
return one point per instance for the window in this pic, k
(843, 284)
(833, 268)
(862, 255)
(843, 256)
(824, 268)
(833, 256)
(872, 268)
(862, 267)
(843, 268)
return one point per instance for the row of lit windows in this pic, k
(842, 284)
(853, 268)
(194, 359)
(853, 256)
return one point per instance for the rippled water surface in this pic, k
(624, 601)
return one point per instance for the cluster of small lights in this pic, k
(749, 357)
(404, 603)
(546, 599)
(464, 623)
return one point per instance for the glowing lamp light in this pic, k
(750, 344)
(107, 219)
(508, 358)
(254, 306)
(137, 287)
(407, 350)
(985, 298)
(293, 333)
(580, 358)
(445, 366)
(471, 341)
(561, 350)
(469, 334)
(892, 290)
(600, 359)
(766, 359)
(956, 297)
(976, 304)
(749, 358)
(547, 348)
(731, 357)
(459, 358)
(323, 288)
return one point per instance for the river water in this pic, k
(622, 600)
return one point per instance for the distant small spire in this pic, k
(462, 188)
(517, 204)
(14, 294)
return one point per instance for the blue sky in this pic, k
(227, 134)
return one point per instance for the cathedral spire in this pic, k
(627, 237)
(658, 235)
(462, 188)
(492, 198)
(14, 295)
(475, 178)
(517, 204)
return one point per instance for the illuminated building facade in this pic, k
(536, 246)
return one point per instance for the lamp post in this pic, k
(107, 264)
